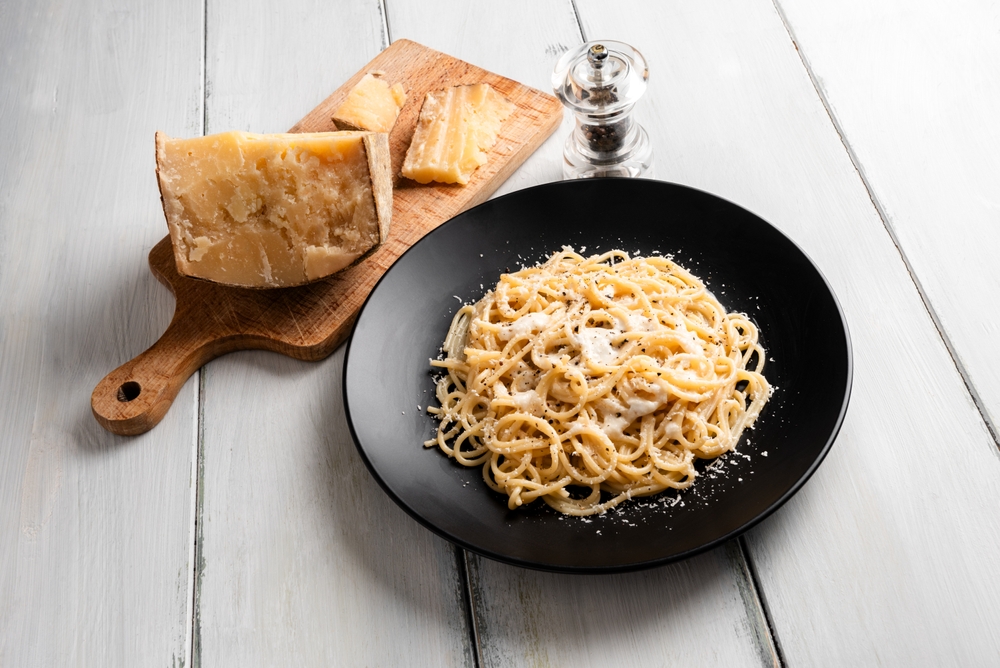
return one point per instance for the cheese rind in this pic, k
(456, 127)
(274, 210)
(371, 105)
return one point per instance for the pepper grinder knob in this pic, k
(597, 54)
(600, 82)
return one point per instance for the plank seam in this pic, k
(204, 67)
(192, 521)
(199, 456)
(199, 526)
(579, 21)
(773, 646)
(470, 605)
(386, 33)
(886, 223)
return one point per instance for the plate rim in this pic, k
(631, 566)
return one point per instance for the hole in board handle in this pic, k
(129, 391)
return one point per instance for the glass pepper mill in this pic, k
(600, 82)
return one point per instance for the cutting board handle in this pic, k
(308, 322)
(133, 398)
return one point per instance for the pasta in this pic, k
(586, 381)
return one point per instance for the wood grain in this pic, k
(96, 532)
(693, 613)
(309, 322)
(914, 90)
(925, 135)
(303, 560)
(887, 555)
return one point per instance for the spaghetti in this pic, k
(589, 375)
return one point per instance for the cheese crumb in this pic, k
(371, 105)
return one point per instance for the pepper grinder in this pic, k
(600, 82)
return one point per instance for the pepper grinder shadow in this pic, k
(600, 82)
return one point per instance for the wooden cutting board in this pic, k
(309, 322)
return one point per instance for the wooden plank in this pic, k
(530, 618)
(304, 559)
(96, 531)
(887, 555)
(695, 613)
(310, 321)
(913, 88)
(922, 126)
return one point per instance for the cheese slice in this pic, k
(371, 105)
(274, 210)
(456, 127)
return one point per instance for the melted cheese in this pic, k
(371, 105)
(616, 416)
(456, 127)
(597, 345)
(524, 326)
(273, 210)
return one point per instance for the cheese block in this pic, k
(277, 210)
(371, 105)
(456, 126)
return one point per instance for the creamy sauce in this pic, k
(529, 402)
(596, 345)
(526, 325)
(617, 415)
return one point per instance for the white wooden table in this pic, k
(244, 530)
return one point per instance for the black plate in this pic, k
(748, 264)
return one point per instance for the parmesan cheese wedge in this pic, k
(455, 129)
(371, 105)
(276, 210)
